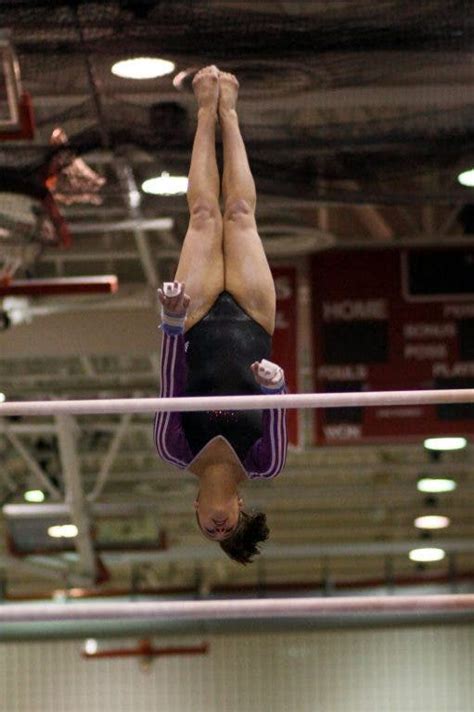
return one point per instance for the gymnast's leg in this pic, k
(247, 274)
(201, 263)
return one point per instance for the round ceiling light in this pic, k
(34, 495)
(142, 68)
(467, 178)
(427, 554)
(66, 531)
(436, 484)
(166, 185)
(445, 443)
(432, 521)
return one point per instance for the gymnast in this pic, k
(218, 317)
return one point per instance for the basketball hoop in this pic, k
(16, 111)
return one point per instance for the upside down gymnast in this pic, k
(218, 317)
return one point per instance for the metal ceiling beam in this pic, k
(402, 96)
(37, 471)
(110, 457)
(126, 178)
(43, 567)
(75, 499)
(62, 511)
(50, 428)
(126, 225)
(291, 552)
(371, 217)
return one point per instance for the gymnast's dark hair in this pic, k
(241, 546)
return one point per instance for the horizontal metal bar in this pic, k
(233, 609)
(282, 401)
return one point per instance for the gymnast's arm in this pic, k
(266, 458)
(169, 436)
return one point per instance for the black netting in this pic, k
(278, 50)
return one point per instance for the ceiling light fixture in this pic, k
(436, 484)
(60, 531)
(166, 185)
(445, 443)
(34, 495)
(427, 554)
(467, 178)
(91, 646)
(142, 68)
(432, 521)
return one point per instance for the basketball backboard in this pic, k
(16, 121)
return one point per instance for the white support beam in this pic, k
(75, 499)
(110, 457)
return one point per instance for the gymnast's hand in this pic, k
(173, 299)
(268, 374)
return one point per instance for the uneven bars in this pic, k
(243, 609)
(257, 402)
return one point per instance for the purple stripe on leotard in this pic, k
(165, 420)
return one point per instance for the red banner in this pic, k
(285, 338)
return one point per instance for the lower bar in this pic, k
(234, 609)
(282, 401)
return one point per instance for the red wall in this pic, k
(377, 326)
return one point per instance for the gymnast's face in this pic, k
(218, 522)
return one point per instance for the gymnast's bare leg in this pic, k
(247, 275)
(201, 263)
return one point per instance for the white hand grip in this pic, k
(170, 289)
(267, 369)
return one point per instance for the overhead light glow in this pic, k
(427, 554)
(90, 646)
(445, 443)
(66, 531)
(34, 495)
(467, 178)
(2, 397)
(436, 484)
(432, 521)
(166, 185)
(142, 68)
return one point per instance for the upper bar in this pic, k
(284, 401)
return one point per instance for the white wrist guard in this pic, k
(177, 322)
(272, 373)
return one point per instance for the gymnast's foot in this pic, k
(228, 92)
(206, 88)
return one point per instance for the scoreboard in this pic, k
(393, 320)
